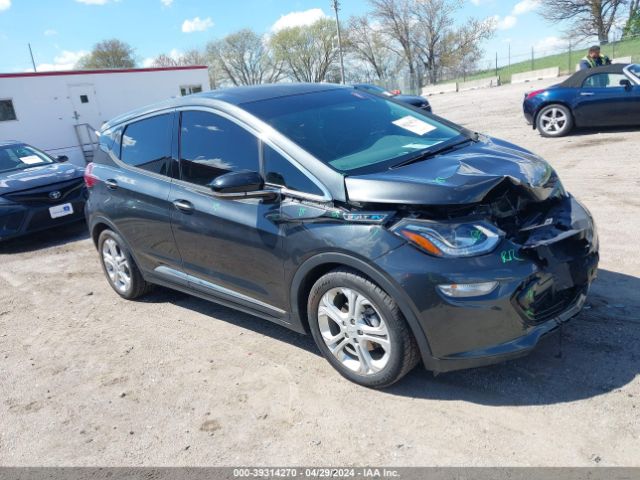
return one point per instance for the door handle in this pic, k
(586, 94)
(111, 184)
(183, 205)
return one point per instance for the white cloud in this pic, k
(525, 6)
(550, 44)
(148, 62)
(50, 32)
(505, 23)
(197, 25)
(166, 3)
(65, 61)
(93, 2)
(296, 19)
(5, 5)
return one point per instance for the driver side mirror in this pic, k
(626, 84)
(239, 185)
(62, 158)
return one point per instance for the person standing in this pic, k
(594, 59)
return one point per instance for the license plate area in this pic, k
(61, 210)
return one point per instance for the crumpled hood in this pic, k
(38, 176)
(463, 176)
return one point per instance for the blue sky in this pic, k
(61, 30)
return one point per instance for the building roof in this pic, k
(99, 72)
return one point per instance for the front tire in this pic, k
(554, 120)
(360, 330)
(117, 263)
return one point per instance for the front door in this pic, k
(602, 101)
(231, 249)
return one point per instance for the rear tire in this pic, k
(118, 266)
(554, 120)
(360, 330)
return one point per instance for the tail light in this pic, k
(534, 93)
(89, 178)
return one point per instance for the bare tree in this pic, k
(190, 57)
(245, 59)
(425, 34)
(397, 20)
(587, 17)
(308, 52)
(112, 53)
(368, 44)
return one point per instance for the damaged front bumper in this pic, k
(543, 273)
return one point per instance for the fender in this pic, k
(404, 303)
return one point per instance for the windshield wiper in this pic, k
(431, 152)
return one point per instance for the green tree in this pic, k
(632, 28)
(308, 52)
(112, 53)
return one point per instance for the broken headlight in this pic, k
(449, 239)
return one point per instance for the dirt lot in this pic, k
(89, 379)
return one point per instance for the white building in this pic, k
(59, 111)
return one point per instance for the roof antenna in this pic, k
(33, 62)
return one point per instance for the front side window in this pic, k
(146, 144)
(353, 131)
(18, 157)
(211, 145)
(7, 112)
(280, 171)
(604, 80)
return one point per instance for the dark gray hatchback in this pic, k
(389, 234)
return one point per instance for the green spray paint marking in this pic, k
(302, 211)
(440, 180)
(476, 234)
(216, 206)
(509, 256)
(530, 295)
(336, 214)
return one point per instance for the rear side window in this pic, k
(147, 144)
(211, 145)
(280, 171)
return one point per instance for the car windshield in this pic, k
(352, 131)
(635, 70)
(17, 157)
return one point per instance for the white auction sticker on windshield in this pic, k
(414, 125)
(31, 159)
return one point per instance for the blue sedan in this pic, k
(606, 96)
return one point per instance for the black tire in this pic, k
(137, 285)
(403, 355)
(545, 118)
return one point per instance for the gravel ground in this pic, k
(89, 379)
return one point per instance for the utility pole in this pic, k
(532, 60)
(336, 6)
(32, 60)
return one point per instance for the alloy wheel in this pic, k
(116, 265)
(553, 121)
(354, 331)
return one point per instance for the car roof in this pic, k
(7, 143)
(576, 80)
(234, 95)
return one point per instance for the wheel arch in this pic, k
(99, 225)
(315, 267)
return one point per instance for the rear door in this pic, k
(231, 249)
(602, 101)
(136, 191)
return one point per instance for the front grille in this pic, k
(41, 195)
(549, 304)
